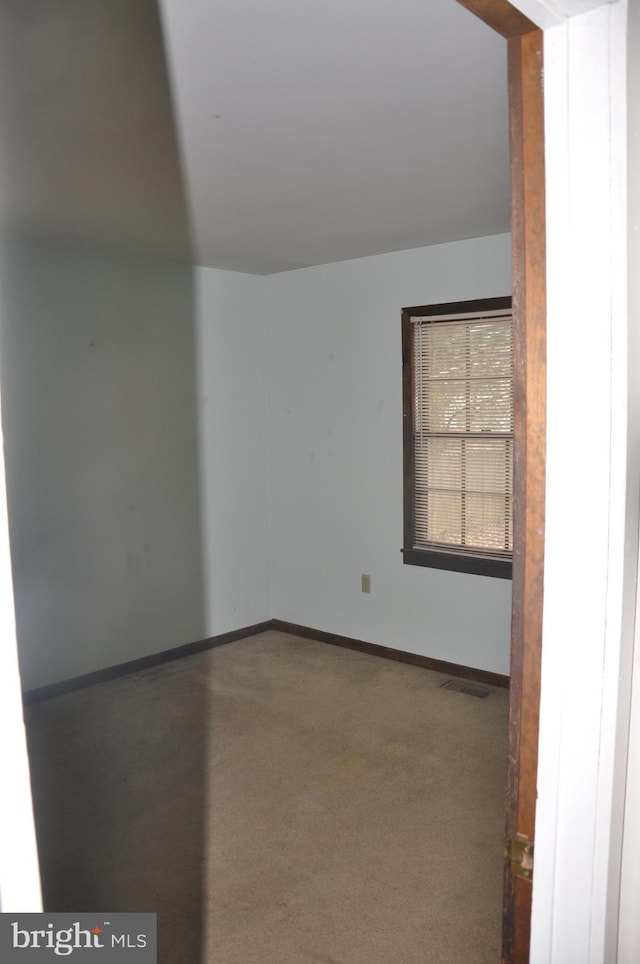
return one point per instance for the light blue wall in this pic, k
(98, 383)
(334, 373)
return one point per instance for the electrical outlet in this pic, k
(366, 583)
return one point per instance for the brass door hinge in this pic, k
(521, 857)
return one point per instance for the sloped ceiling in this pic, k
(301, 132)
(88, 150)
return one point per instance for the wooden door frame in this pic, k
(526, 123)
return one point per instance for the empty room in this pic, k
(257, 390)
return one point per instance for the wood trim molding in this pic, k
(501, 16)
(190, 649)
(399, 655)
(528, 231)
(136, 665)
(458, 562)
(526, 107)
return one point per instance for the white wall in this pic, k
(589, 542)
(19, 873)
(629, 938)
(231, 418)
(98, 378)
(334, 369)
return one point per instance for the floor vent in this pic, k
(469, 688)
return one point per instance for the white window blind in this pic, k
(463, 433)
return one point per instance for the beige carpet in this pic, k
(279, 801)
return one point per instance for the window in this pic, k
(458, 436)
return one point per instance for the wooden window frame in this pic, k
(455, 560)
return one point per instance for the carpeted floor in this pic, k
(279, 801)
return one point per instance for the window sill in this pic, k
(458, 562)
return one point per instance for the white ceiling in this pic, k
(309, 130)
(320, 131)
